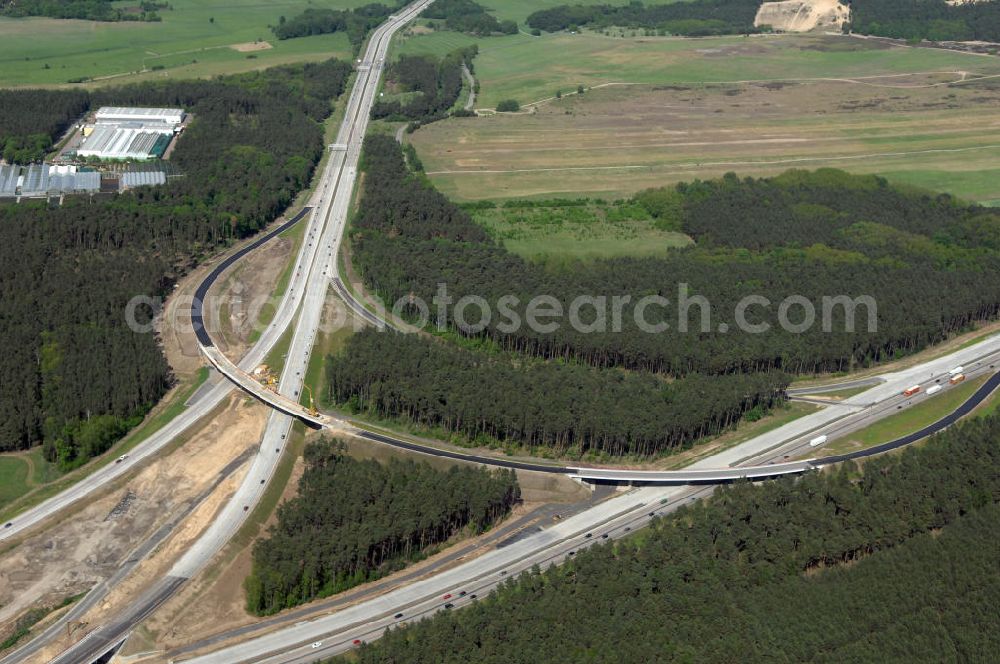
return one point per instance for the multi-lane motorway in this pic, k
(313, 272)
(338, 632)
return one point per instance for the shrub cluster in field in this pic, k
(468, 16)
(356, 23)
(90, 10)
(937, 20)
(433, 86)
(696, 18)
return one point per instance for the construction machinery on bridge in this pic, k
(266, 377)
(312, 403)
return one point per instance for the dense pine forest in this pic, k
(353, 521)
(937, 20)
(565, 408)
(897, 564)
(75, 375)
(26, 137)
(697, 18)
(438, 82)
(929, 262)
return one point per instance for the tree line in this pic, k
(30, 120)
(89, 10)
(355, 520)
(894, 560)
(439, 82)
(76, 376)
(566, 409)
(470, 17)
(356, 23)
(697, 18)
(936, 20)
(926, 261)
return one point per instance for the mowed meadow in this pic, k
(197, 38)
(659, 110)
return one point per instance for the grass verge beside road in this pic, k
(930, 410)
(744, 431)
(53, 484)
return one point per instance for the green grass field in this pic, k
(518, 10)
(14, 472)
(591, 231)
(532, 68)
(195, 39)
(327, 343)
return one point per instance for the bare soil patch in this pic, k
(802, 15)
(215, 602)
(248, 47)
(87, 548)
(244, 292)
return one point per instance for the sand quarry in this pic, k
(803, 15)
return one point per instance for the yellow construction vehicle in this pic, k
(312, 404)
(266, 377)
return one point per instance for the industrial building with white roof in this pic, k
(130, 133)
(114, 114)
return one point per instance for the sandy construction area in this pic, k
(802, 15)
(88, 546)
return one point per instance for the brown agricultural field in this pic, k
(937, 130)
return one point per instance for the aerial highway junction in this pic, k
(315, 271)
(306, 296)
